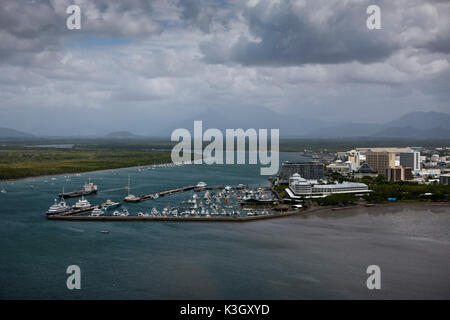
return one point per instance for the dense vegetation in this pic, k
(383, 190)
(408, 191)
(22, 162)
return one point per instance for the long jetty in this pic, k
(161, 194)
(162, 218)
(73, 212)
(172, 191)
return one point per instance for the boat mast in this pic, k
(128, 184)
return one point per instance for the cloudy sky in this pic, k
(148, 65)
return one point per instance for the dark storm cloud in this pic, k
(283, 33)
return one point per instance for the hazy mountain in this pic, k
(422, 125)
(253, 117)
(345, 130)
(122, 135)
(8, 133)
(419, 125)
(411, 132)
(422, 121)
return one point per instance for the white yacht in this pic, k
(110, 204)
(82, 204)
(201, 184)
(58, 208)
(124, 213)
(130, 197)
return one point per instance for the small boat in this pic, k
(3, 190)
(116, 213)
(201, 184)
(156, 196)
(104, 231)
(110, 204)
(124, 213)
(97, 212)
(130, 197)
(140, 214)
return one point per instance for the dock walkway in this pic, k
(161, 218)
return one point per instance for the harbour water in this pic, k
(322, 256)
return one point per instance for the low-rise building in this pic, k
(302, 187)
(341, 167)
(365, 171)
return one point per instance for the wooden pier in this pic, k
(161, 194)
(75, 211)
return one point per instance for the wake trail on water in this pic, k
(115, 189)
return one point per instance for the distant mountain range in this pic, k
(415, 125)
(8, 133)
(123, 135)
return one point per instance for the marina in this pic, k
(216, 203)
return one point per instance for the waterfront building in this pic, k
(308, 170)
(411, 160)
(399, 174)
(380, 161)
(444, 179)
(365, 171)
(303, 187)
(340, 167)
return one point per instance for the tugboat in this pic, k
(88, 188)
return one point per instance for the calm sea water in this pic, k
(321, 256)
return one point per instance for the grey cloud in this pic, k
(30, 27)
(326, 32)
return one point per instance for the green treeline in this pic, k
(30, 162)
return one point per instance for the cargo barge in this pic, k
(88, 188)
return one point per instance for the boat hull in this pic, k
(77, 193)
